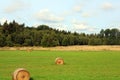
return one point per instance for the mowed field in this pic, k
(79, 65)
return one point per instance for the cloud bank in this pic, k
(46, 16)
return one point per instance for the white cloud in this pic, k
(46, 16)
(2, 20)
(36, 24)
(86, 15)
(62, 28)
(107, 6)
(84, 27)
(66, 13)
(79, 26)
(89, 14)
(77, 8)
(59, 26)
(77, 22)
(15, 6)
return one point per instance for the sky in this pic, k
(82, 16)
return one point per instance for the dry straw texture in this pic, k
(67, 48)
(21, 74)
(29, 50)
(59, 61)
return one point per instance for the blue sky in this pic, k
(89, 16)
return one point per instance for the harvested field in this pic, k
(68, 48)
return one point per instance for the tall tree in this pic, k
(49, 40)
(2, 40)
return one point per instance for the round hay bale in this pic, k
(21, 74)
(59, 61)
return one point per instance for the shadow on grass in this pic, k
(31, 78)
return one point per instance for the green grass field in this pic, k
(79, 65)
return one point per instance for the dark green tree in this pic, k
(49, 40)
(95, 41)
(65, 41)
(9, 41)
(2, 40)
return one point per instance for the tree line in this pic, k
(15, 34)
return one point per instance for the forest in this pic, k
(14, 34)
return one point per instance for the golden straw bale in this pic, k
(59, 61)
(21, 74)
